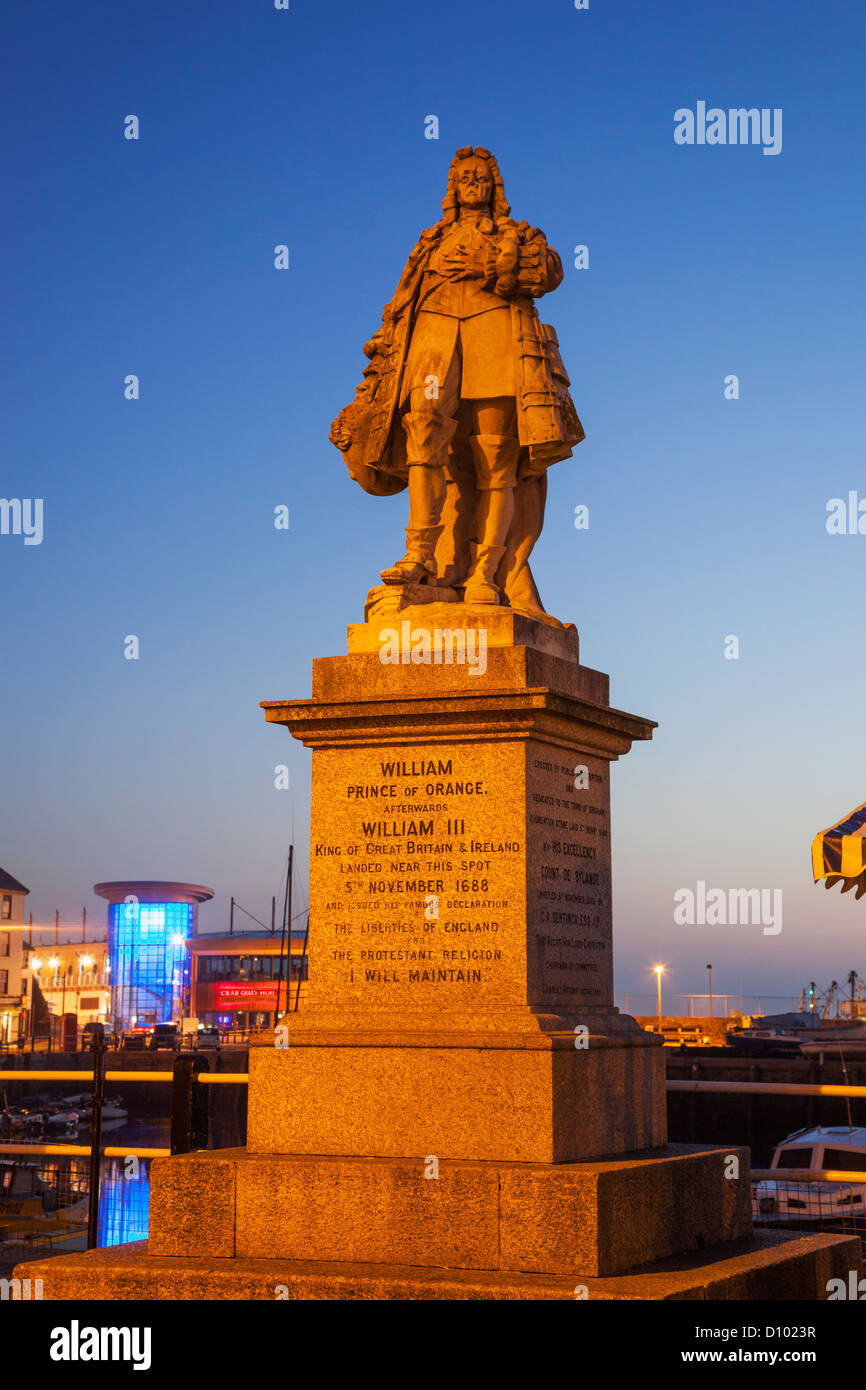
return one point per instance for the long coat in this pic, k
(521, 266)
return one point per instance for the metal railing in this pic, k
(794, 1175)
(54, 1041)
(189, 1117)
(798, 1200)
(190, 1073)
(713, 1006)
(769, 1088)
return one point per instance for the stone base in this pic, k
(387, 599)
(592, 1219)
(542, 1101)
(767, 1267)
(503, 628)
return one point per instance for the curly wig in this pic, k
(499, 207)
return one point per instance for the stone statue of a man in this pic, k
(466, 399)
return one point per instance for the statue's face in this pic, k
(474, 183)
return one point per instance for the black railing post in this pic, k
(97, 1098)
(189, 1110)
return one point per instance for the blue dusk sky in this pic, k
(707, 514)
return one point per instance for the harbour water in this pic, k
(43, 1207)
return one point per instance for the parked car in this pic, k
(133, 1042)
(164, 1036)
(207, 1036)
(91, 1030)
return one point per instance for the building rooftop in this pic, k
(152, 890)
(8, 884)
(220, 943)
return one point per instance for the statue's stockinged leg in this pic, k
(453, 549)
(428, 435)
(496, 465)
(515, 576)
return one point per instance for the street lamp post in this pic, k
(659, 970)
(710, 987)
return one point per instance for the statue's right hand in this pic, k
(463, 263)
(454, 262)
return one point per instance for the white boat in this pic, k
(794, 1200)
(847, 1040)
(33, 1212)
(774, 1035)
(111, 1110)
(18, 1121)
(62, 1119)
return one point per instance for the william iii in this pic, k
(466, 399)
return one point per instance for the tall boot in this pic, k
(428, 435)
(418, 565)
(480, 586)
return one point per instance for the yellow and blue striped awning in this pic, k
(840, 852)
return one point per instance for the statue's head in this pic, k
(474, 181)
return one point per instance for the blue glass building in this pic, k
(149, 925)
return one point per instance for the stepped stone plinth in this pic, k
(459, 1110)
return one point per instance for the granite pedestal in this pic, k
(459, 1110)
